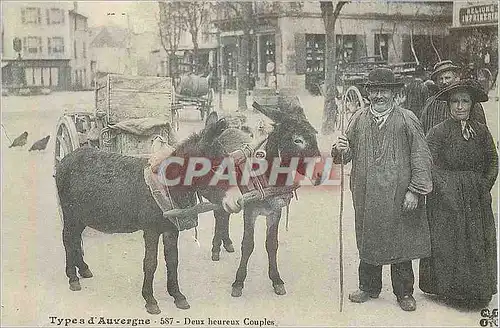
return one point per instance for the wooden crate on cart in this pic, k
(140, 101)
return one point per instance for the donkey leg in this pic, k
(221, 234)
(83, 268)
(150, 263)
(272, 222)
(171, 254)
(227, 242)
(69, 237)
(247, 246)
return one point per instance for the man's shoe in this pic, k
(407, 303)
(361, 296)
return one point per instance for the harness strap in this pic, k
(160, 193)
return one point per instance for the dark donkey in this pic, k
(107, 192)
(292, 137)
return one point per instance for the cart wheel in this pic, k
(351, 103)
(66, 139)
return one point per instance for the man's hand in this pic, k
(411, 201)
(232, 199)
(342, 143)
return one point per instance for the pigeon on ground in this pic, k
(20, 141)
(40, 144)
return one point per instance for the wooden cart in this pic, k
(193, 91)
(131, 113)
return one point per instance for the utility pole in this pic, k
(219, 68)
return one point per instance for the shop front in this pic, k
(475, 34)
(54, 74)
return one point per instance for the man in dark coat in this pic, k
(436, 111)
(416, 92)
(391, 171)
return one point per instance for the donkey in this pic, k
(107, 192)
(292, 137)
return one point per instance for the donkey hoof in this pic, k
(215, 256)
(237, 291)
(229, 248)
(182, 304)
(75, 286)
(153, 308)
(279, 289)
(86, 273)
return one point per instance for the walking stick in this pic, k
(341, 246)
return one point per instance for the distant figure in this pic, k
(270, 78)
(20, 141)
(432, 87)
(416, 92)
(40, 144)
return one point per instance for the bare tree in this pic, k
(195, 14)
(330, 109)
(170, 26)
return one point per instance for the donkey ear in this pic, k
(273, 113)
(211, 120)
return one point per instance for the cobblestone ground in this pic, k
(34, 286)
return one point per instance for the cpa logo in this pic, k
(489, 318)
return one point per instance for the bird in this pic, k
(40, 144)
(20, 141)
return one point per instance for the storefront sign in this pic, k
(484, 14)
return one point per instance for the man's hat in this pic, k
(443, 66)
(472, 87)
(382, 77)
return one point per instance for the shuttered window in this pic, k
(31, 15)
(55, 44)
(32, 45)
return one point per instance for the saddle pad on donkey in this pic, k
(159, 193)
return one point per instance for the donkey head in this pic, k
(292, 135)
(196, 159)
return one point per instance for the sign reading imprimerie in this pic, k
(479, 14)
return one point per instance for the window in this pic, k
(346, 47)
(382, 45)
(205, 36)
(32, 45)
(55, 16)
(267, 48)
(31, 15)
(84, 49)
(55, 45)
(74, 49)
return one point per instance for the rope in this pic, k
(5, 132)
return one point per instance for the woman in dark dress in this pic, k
(463, 265)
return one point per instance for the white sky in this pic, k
(142, 14)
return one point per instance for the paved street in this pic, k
(34, 285)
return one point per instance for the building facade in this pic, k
(289, 38)
(47, 37)
(475, 36)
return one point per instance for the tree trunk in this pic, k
(243, 71)
(195, 54)
(330, 110)
(243, 55)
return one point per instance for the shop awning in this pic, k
(470, 27)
